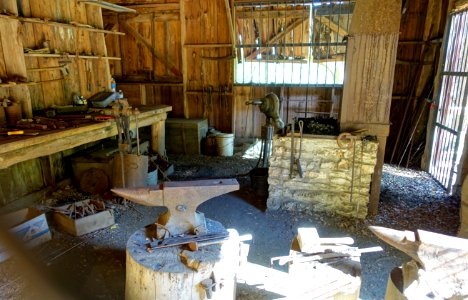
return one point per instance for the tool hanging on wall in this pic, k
(122, 112)
(136, 113)
(298, 159)
(292, 159)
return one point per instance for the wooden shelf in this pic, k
(150, 83)
(15, 149)
(70, 55)
(109, 6)
(59, 24)
(197, 92)
(207, 45)
(13, 84)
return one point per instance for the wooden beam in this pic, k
(109, 6)
(230, 24)
(183, 39)
(164, 7)
(207, 45)
(275, 38)
(156, 16)
(369, 74)
(141, 40)
(332, 25)
(60, 24)
(69, 56)
(272, 13)
(275, 2)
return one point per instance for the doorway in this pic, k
(451, 114)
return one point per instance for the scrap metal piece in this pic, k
(182, 199)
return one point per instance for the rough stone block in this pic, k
(328, 165)
(343, 164)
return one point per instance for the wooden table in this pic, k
(15, 149)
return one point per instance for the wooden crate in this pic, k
(83, 225)
(184, 136)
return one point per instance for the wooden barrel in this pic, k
(175, 273)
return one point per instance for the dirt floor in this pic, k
(93, 266)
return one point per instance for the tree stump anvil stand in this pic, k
(174, 273)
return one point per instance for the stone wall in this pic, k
(327, 183)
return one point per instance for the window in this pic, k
(291, 42)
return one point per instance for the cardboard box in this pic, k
(85, 224)
(29, 225)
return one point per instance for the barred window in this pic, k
(291, 42)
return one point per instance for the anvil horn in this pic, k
(143, 196)
(405, 241)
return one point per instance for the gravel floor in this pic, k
(93, 266)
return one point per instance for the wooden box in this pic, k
(85, 224)
(184, 136)
(29, 225)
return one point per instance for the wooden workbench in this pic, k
(15, 149)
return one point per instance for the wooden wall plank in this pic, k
(12, 49)
(24, 8)
(3, 70)
(9, 7)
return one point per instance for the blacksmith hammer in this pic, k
(181, 199)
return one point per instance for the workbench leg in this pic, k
(48, 171)
(377, 177)
(158, 137)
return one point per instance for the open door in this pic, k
(451, 115)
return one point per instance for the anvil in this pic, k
(181, 199)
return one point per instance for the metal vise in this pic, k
(181, 199)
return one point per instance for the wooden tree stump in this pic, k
(175, 273)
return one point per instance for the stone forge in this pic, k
(335, 179)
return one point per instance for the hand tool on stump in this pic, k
(181, 199)
(190, 240)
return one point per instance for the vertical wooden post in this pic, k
(370, 66)
(158, 137)
(184, 57)
(143, 100)
(48, 170)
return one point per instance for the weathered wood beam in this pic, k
(332, 25)
(275, 38)
(157, 16)
(275, 2)
(230, 24)
(370, 68)
(141, 40)
(109, 6)
(156, 6)
(272, 13)
(59, 24)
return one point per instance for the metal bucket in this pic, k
(134, 168)
(259, 181)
